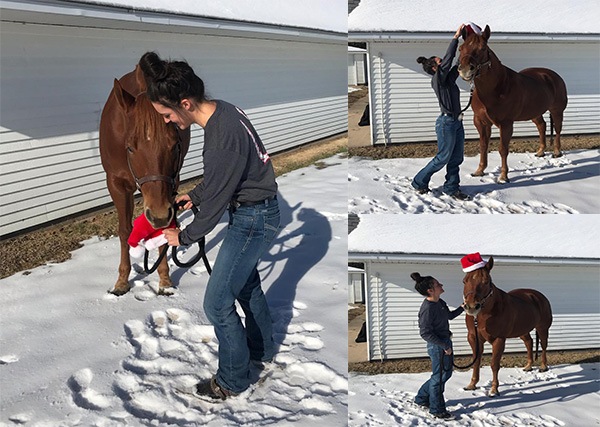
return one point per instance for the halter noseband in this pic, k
(479, 66)
(480, 303)
(148, 178)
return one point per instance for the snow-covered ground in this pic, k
(566, 395)
(568, 184)
(71, 354)
(352, 89)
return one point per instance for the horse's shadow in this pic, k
(579, 168)
(574, 385)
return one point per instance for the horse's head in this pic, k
(154, 155)
(478, 288)
(474, 54)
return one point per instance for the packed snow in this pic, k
(564, 185)
(422, 234)
(72, 354)
(326, 14)
(566, 395)
(508, 16)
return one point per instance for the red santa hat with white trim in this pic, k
(472, 28)
(472, 262)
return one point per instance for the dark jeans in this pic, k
(432, 392)
(234, 277)
(451, 144)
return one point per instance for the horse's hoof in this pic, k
(543, 369)
(477, 173)
(167, 292)
(540, 154)
(528, 368)
(502, 180)
(471, 387)
(493, 394)
(556, 155)
(121, 290)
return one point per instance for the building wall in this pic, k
(356, 69)
(405, 107)
(393, 304)
(55, 80)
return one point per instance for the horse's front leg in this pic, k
(477, 353)
(497, 351)
(163, 271)
(506, 130)
(484, 127)
(123, 200)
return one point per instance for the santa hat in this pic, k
(144, 236)
(472, 28)
(472, 262)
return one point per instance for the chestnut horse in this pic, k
(139, 150)
(503, 96)
(502, 315)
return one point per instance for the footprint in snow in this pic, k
(84, 396)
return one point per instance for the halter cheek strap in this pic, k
(490, 293)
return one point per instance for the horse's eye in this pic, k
(130, 149)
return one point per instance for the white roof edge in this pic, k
(496, 37)
(455, 258)
(84, 14)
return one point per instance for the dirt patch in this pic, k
(508, 361)
(55, 243)
(357, 94)
(517, 145)
(357, 311)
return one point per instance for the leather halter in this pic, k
(148, 178)
(480, 65)
(484, 299)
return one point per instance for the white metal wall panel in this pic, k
(352, 77)
(55, 79)
(405, 107)
(393, 305)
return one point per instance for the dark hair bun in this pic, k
(153, 67)
(421, 59)
(416, 277)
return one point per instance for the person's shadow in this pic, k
(299, 251)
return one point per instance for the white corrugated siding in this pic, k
(55, 79)
(393, 305)
(410, 108)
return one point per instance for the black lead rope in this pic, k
(201, 250)
(476, 350)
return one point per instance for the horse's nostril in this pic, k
(149, 216)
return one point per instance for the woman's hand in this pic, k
(172, 236)
(457, 35)
(187, 199)
(448, 352)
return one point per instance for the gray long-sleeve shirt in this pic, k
(433, 322)
(236, 167)
(444, 83)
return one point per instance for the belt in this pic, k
(460, 116)
(237, 204)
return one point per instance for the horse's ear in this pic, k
(124, 99)
(490, 263)
(486, 33)
(463, 33)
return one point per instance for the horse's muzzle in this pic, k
(160, 222)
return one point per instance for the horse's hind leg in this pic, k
(557, 118)
(506, 130)
(529, 345)
(543, 337)
(541, 126)
(484, 127)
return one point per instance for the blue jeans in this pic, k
(234, 277)
(432, 392)
(451, 144)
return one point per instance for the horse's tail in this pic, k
(551, 129)
(537, 339)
